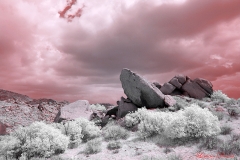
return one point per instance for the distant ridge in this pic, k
(8, 95)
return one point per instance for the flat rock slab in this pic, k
(78, 109)
(140, 91)
(169, 100)
(205, 84)
(194, 90)
(167, 88)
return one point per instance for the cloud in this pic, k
(43, 55)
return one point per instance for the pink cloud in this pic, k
(42, 55)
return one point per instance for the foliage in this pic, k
(98, 107)
(114, 132)
(225, 147)
(220, 115)
(210, 142)
(225, 130)
(36, 140)
(200, 122)
(74, 132)
(93, 146)
(192, 122)
(79, 130)
(233, 111)
(219, 96)
(114, 145)
(9, 146)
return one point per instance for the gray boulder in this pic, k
(174, 81)
(157, 85)
(194, 90)
(125, 107)
(181, 78)
(2, 129)
(78, 109)
(167, 88)
(205, 84)
(140, 91)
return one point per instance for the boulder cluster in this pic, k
(21, 110)
(142, 93)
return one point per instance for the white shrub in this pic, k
(98, 107)
(193, 121)
(9, 146)
(41, 140)
(200, 122)
(176, 128)
(74, 132)
(219, 95)
(89, 129)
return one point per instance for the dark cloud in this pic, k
(43, 56)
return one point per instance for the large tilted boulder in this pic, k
(78, 109)
(2, 129)
(140, 91)
(124, 107)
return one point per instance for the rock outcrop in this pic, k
(140, 91)
(184, 85)
(74, 110)
(2, 129)
(124, 107)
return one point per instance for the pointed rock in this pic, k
(140, 91)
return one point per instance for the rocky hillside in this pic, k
(17, 109)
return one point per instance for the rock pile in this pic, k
(153, 95)
(183, 85)
(142, 93)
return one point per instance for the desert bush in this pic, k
(78, 130)
(176, 129)
(225, 130)
(219, 115)
(170, 157)
(9, 147)
(181, 103)
(89, 129)
(219, 96)
(114, 145)
(192, 122)
(74, 131)
(233, 111)
(98, 107)
(93, 146)
(209, 142)
(174, 157)
(226, 147)
(38, 140)
(114, 132)
(200, 122)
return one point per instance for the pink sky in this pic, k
(71, 50)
